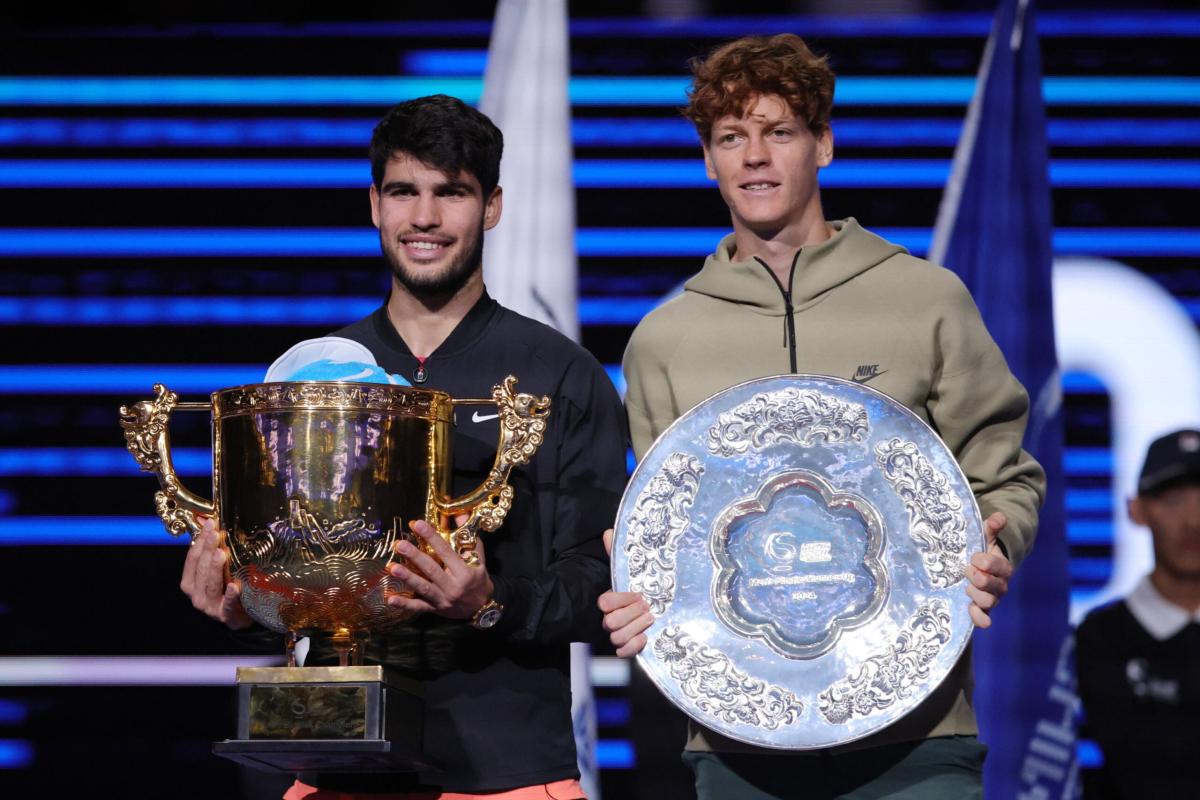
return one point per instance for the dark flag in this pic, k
(994, 231)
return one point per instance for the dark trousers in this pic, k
(944, 768)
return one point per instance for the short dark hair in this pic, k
(443, 132)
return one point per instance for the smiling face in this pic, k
(431, 225)
(765, 163)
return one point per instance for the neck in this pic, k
(777, 247)
(424, 321)
(1179, 590)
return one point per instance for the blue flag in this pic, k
(994, 230)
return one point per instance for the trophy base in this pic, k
(327, 719)
(322, 755)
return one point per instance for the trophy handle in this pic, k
(522, 426)
(147, 436)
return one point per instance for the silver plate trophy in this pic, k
(802, 541)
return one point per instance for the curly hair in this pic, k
(738, 72)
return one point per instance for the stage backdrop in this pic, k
(185, 198)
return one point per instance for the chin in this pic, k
(764, 228)
(425, 280)
(432, 280)
(431, 271)
(763, 218)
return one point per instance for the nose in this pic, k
(425, 212)
(1186, 510)
(1192, 511)
(756, 154)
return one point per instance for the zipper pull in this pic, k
(787, 313)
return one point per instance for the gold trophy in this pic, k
(314, 482)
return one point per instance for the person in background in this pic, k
(1138, 659)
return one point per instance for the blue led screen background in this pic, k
(185, 198)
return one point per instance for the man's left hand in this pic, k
(451, 589)
(988, 573)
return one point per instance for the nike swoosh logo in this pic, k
(857, 379)
(477, 417)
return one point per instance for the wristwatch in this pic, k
(487, 616)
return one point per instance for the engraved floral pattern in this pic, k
(290, 396)
(659, 519)
(799, 416)
(710, 681)
(884, 679)
(935, 514)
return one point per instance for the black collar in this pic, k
(468, 330)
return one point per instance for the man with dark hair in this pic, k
(788, 291)
(419, 128)
(491, 647)
(1139, 658)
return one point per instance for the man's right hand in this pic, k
(204, 579)
(627, 615)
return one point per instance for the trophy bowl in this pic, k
(315, 482)
(802, 541)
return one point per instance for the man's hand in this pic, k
(627, 615)
(988, 573)
(204, 579)
(451, 589)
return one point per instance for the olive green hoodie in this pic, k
(862, 308)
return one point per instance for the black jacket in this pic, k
(1141, 702)
(498, 702)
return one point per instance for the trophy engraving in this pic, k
(937, 522)
(659, 518)
(711, 682)
(815, 552)
(788, 415)
(883, 679)
(798, 595)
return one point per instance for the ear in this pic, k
(825, 148)
(493, 208)
(709, 169)
(1137, 511)
(374, 206)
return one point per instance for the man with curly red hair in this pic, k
(788, 291)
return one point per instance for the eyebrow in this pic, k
(457, 186)
(742, 122)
